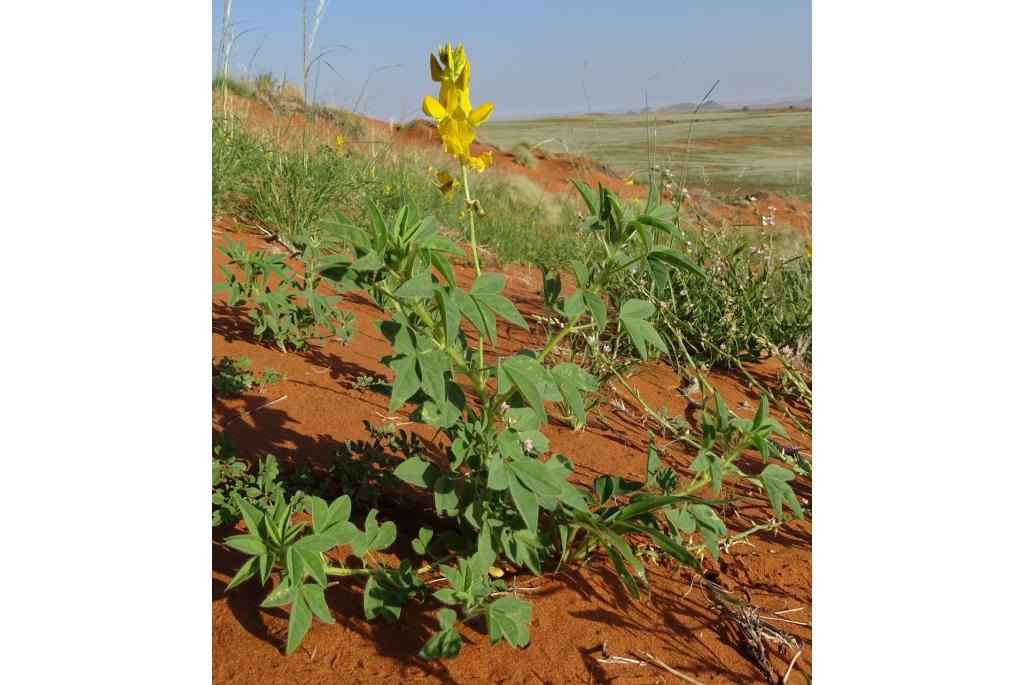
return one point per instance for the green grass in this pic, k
(289, 193)
(778, 158)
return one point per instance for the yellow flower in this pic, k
(227, 140)
(339, 140)
(630, 181)
(387, 189)
(456, 118)
(808, 248)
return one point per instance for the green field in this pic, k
(730, 151)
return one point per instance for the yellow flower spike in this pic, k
(339, 140)
(808, 248)
(479, 115)
(462, 80)
(453, 110)
(435, 69)
(433, 108)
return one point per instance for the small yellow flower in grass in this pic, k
(270, 155)
(387, 189)
(462, 216)
(630, 181)
(808, 249)
(227, 140)
(457, 119)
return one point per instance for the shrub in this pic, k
(523, 155)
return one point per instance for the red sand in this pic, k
(575, 610)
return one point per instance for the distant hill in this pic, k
(710, 105)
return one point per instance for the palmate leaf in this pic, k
(446, 642)
(710, 526)
(633, 316)
(525, 373)
(776, 484)
(507, 617)
(379, 599)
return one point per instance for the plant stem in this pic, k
(472, 222)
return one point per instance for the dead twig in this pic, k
(253, 411)
(790, 669)
(665, 667)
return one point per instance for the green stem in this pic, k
(472, 222)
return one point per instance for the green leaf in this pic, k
(253, 517)
(420, 285)
(597, 309)
(281, 595)
(710, 526)
(535, 476)
(681, 519)
(588, 195)
(503, 307)
(371, 261)
(776, 483)
(450, 315)
(316, 544)
(526, 503)
(244, 573)
(418, 471)
(488, 283)
(432, 367)
(298, 623)
(250, 544)
(338, 512)
(676, 259)
(580, 271)
(526, 387)
(653, 460)
(314, 596)
(380, 600)
(497, 476)
(378, 536)
(574, 305)
(446, 499)
(471, 309)
(507, 618)
(633, 315)
(407, 380)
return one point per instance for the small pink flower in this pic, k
(527, 445)
(662, 305)
(503, 408)
(607, 348)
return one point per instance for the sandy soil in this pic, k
(551, 173)
(576, 610)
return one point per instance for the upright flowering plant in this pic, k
(507, 501)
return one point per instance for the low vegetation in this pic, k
(648, 282)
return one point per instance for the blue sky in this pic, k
(532, 57)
